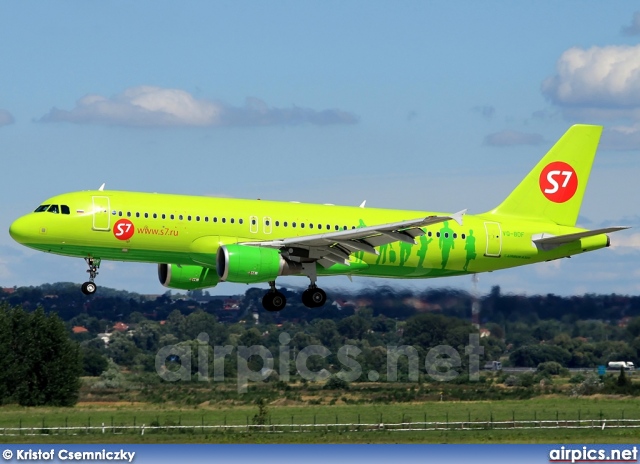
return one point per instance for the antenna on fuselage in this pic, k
(102, 187)
(363, 203)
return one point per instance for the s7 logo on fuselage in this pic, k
(558, 182)
(123, 229)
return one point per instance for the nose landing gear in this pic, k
(89, 288)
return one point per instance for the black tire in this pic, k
(279, 301)
(274, 301)
(266, 302)
(314, 297)
(318, 297)
(306, 299)
(89, 288)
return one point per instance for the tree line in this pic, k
(577, 331)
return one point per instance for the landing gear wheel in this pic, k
(89, 288)
(314, 297)
(274, 301)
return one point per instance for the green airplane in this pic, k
(198, 242)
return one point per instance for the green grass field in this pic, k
(40, 424)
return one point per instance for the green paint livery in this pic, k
(200, 241)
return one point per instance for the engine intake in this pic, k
(252, 264)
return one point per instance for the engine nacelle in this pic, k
(186, 277)
(251, 264)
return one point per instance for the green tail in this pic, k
(554, 189)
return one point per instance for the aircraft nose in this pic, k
(21, 230)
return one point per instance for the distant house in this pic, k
(8, 290)
(485, 333)
(120, 327)
(624, 322)
(78, 329)
(231, 305)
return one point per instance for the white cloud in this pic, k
(625, 243)
(507, 138)
(598, 82)
(159, 107)
(621, 137)
(5, 118)
(634, 27)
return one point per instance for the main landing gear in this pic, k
(274, 300)
(312, 297)
(89, 288)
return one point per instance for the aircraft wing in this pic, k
(548, 242)
(335, 247)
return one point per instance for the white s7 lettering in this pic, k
(550, 178)
(122, 229)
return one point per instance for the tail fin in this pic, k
(553, 190)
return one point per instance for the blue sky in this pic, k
(414, 105)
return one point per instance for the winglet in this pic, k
(362, 204)
(458, 216)
(102, 187)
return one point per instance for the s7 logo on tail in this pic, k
(558, 182)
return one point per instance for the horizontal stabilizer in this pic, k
(549, 242)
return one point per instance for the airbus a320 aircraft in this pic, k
(198, 242)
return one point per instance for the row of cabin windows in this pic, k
(311, 225)
(240, 221)
(446, 235)
(172, 217)
(223, 220)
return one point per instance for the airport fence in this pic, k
(335, 427)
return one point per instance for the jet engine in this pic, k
(186, 277)
(252, 264)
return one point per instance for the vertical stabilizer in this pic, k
(554, 189)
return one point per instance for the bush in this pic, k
(550, 367)
(591, 385)
(336, 383)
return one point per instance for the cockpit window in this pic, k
(64, 209)
(53, 209)
(41, 208)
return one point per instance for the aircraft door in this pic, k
(494, 239)
(266, 225)
(101, 216)
(253, 224)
